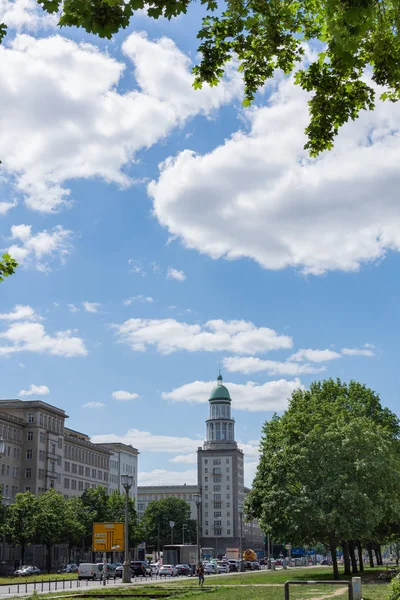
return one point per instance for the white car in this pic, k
(90, 571)
(167, 571)
(223, 567)
(211, 569)
(154, 568)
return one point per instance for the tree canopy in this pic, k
(329, 468)
(7, 266)
(354, 47)
(155, 527)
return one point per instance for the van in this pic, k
(90, 571)
(108, 570)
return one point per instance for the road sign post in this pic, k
(108, 537)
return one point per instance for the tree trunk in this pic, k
(48, 558)
(360, 556)
(371, 556)
(332, 548)
(354, 566)
(346, 557)
(378, 554)
(22, 554)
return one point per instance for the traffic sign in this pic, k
(108, 537)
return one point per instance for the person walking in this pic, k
(200, 574)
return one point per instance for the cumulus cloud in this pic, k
(259, 195)
(25, 15)
(175, 274)
(165, 477)
(188, 459)
(91, 307)
(20, 312)
(366, 350)
(169, 335)
(62, 117)
(93, 405)
(251, 364)
(30, 336)
(35, 390)
(139, 298)
(315, 356)
(270, 396)
(144, 440)
(6, 206)
(38, 250)
(124, 395)
(72, 308)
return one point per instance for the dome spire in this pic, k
(219, 378)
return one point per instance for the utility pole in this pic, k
(240, 537)
(127, 482)
(184, 526)
(197, 500)
(172, 525)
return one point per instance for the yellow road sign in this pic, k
(108, 537)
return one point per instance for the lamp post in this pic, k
(127, 482)
(172, 525)
(184, 526)
(240, 536)
(197, 500)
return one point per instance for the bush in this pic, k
(395, 588)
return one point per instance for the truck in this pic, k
(179, 554)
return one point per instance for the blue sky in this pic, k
(163, 233)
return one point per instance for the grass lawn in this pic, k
(44, 577)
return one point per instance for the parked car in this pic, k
(278, 562)
(211, 569)
(183, 570)
(154, 568)
(107, 570)
(223, 566)
(233, 565)
(27, 570)
(247, 565)
(167, 571)
(140, 568)
(72, 568)
(90, 571)
(255, 565)
(119, 571)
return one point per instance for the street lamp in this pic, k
(184, 526)
(240, 536)
(127, 483)
(172, 525)
(197, 500)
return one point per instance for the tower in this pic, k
(220, 476)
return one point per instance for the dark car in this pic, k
(183, 569)
(140, 568)
(233, 566)
(247, 565)
(27, 570)
(72, 568)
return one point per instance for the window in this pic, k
(216, 461)
(53, 448)
(217, 497)
(93, 472)
(217, 471)
(217, 515)
(73, 484)
(99, 474)
(228, 514)
(228, 487)
(80, 486)
(206, 487)
(60, 443)
(66, 483)
(80, 469)
(206, 523)
(206, 470)
(217, 488)
(66, 466)
(228, 531)
(31, 418)
(28, 473)
(41, 437)
(217, 531)
(74, 468)
(28, 489)
(205, 478)
(227, 469)
(206, 504)
(87, 471)
(30, 436)
(227, 461)
(217, 505)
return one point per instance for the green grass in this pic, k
(44, 577)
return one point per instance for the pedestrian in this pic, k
(200, 574)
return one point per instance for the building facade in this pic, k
(123, 461)
(148, 493)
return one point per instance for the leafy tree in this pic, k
(116, 512)
(75, 523)
(267, 36)
(8, 264)
(51, 521)
(328, 468)
(21, 521)
(155, 529)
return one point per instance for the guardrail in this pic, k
(335, 582)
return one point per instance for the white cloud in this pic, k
(270, 396)
(93, 405)
(259, 195)
(35, 390)
(146, 441)
(62, 117)
(123, 395)
(38, 249)
(175, 274)
(20, 312)
(25, 15)
(165, 477)
(140, 298)
(187, 459)
(169, 335)
(251, 364)
(26, 336)
(91, 307)
(6, 206)
(366, 351)
(72, 308)
(314, 355)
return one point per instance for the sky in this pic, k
(165, 233)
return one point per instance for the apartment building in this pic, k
(123, 461)
(38, 452)
(148, 493)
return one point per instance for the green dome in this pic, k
(220, 392)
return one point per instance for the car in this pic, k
(183, 570)
(26, 570)
(167, 571)
(154, 568)
(255, 565)
(118, 571)
(233, 565)
(72, 568)
(107, 570)
(211, 568)
(140, 568)
(90, 571)
(278, 562)
(223, 566)
(247, 565)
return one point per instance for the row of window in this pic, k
(86, 456)
(80, 470)
(10, 433)
(6, 491)
(216, 461)
(52, 423)
(12, 452)
(217, 488)
(218, 532)
(10, 472)
(218, 497)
